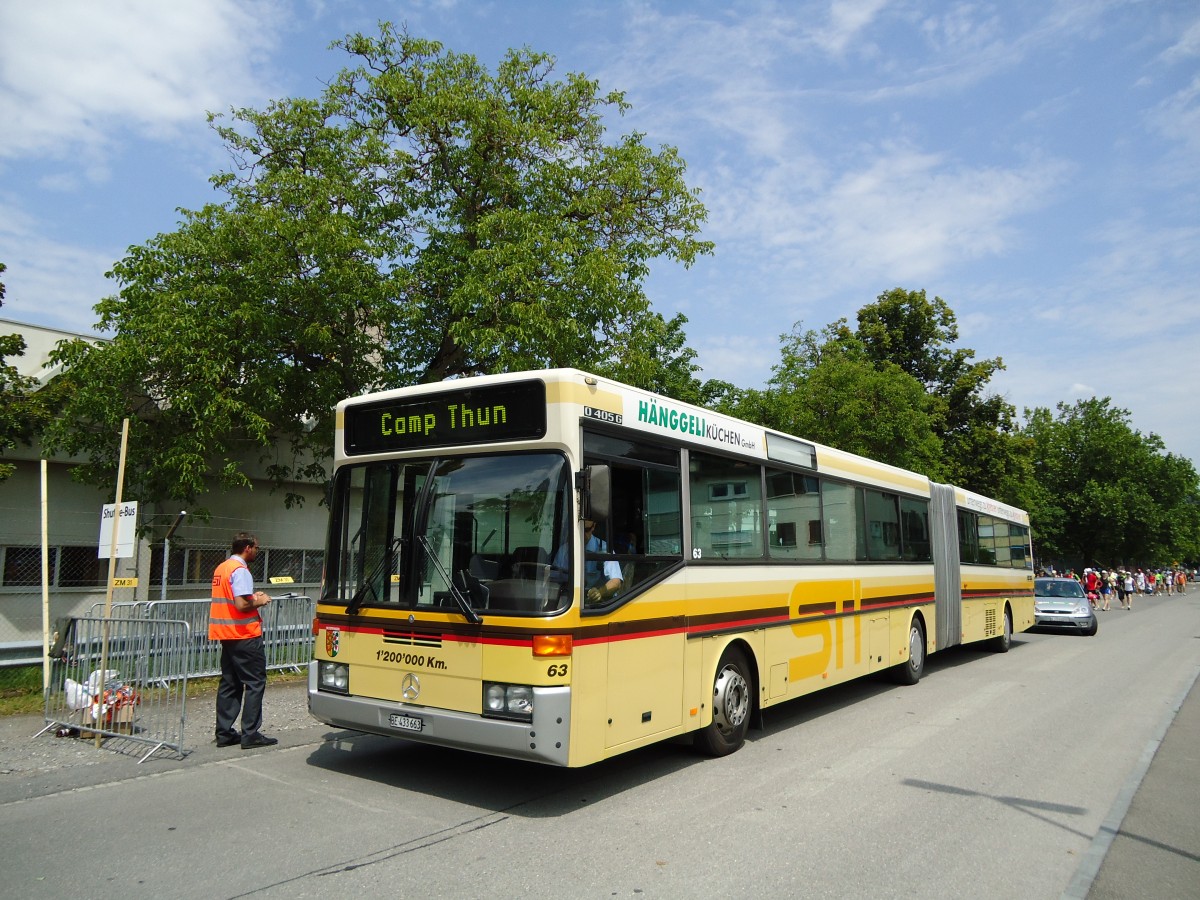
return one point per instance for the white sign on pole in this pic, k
(126, 530)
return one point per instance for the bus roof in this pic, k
(653, 414)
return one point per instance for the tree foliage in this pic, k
(827, 388)
(1109, 493)
(24, 410)
(422, 219)
(898, 389)
(981, 445)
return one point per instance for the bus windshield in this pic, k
(472, 535)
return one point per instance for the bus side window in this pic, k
(644, 533)
(794, 516)
(726, 507)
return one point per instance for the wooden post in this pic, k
(112, 570)
(45, 587)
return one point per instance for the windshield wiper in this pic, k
(360, 595)
(464, 604)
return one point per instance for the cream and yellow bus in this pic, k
(556, 567)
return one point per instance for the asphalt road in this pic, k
(1049, 772)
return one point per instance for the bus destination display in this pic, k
(508, 412)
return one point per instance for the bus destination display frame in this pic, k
(451, 418)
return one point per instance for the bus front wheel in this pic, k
(731, 702)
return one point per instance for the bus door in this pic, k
(639, 541)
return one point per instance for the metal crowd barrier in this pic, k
(287, 629)
(141, 693)
(125, 609)
(204, 655)
(287, 632)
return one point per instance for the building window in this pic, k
(81, 567)
(195, 565)
(23, 566)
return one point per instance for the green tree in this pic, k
(982, 448)
(828, 389)
(24, 410)
(423, 219)
(1109, 494)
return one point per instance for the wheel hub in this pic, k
(731, 699)
(916, 648)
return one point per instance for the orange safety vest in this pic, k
(225, 621)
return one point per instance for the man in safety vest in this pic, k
(234, 620)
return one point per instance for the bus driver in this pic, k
(600, 580)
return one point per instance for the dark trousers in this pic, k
(243, 683)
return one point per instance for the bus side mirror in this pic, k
(595, 492)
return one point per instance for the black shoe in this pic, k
(229, 741)
(258, 740)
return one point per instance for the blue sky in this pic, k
(1035, 163)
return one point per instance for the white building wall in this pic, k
(292, 538)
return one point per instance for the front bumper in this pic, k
(545, 740)
(1085, 624)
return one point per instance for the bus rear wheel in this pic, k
(910, 672)
(731, 702)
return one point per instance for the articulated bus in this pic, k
(556, 567)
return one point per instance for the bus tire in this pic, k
(911, 670)
(732, 699)
(1002, 642)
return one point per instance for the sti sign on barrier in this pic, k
(126, 529)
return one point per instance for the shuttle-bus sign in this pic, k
(126, 530)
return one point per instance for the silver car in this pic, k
(1060, 603)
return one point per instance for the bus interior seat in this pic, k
(483, 568)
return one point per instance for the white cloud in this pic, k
(739, 359)
(1187, 47)
(961, 28)
(847, 20)
(1177, 117)
(1119, 323)
(53, 284)
(1152, 376)
(911, 214)
(895, 214)
(74, 74)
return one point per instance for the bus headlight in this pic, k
(508, 701)
(333, 676)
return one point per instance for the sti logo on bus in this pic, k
(481, 415)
